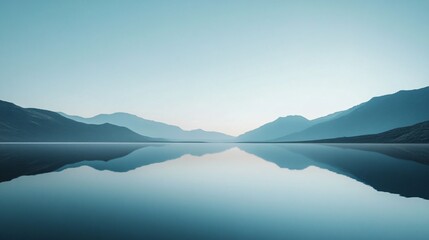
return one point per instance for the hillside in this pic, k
(418, 133)
(379, 114)
(19, 124)
(277, 128)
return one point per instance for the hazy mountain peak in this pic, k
(279, 127)
(292, 117)
(117, 114)
(153, 128)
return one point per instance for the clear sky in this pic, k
(227, 66)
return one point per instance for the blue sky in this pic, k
(228, 66)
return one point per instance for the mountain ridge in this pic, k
(19, 124)
(417, 133)
(379, 114)
(152, 128)
(281, 126)
(288, 124)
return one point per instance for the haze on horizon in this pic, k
(227, 66)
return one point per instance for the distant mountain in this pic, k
(418, 133)
(19, 124)
(379, 114)
(278, 128)
(152, 128)
(284, 126)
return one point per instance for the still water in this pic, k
(214, 191)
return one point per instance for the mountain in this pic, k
(278, 128)
(19, 124)
(152, 128)
(418, 133)
(285, 126)
(333, 116)
(379, 114)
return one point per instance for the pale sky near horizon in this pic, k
(226, 66)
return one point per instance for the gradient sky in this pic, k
(228, 66)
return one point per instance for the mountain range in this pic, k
(286, 125)
(19, 124)
(388, 118)
(377, 115)
(153, 128)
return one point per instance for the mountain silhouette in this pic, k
(152, 128)
(19, 124)
(285, 126)
(276, 129)
(418, 133)
(379, 114)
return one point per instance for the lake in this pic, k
(214, 191)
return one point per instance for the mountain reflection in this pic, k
(30, 159)
(153, 154)
(400, 169)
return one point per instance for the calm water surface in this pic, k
(214, 191)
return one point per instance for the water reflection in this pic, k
(30, 159)
(400, 169)
(413, 152)
(150, 155)
(226, 195)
